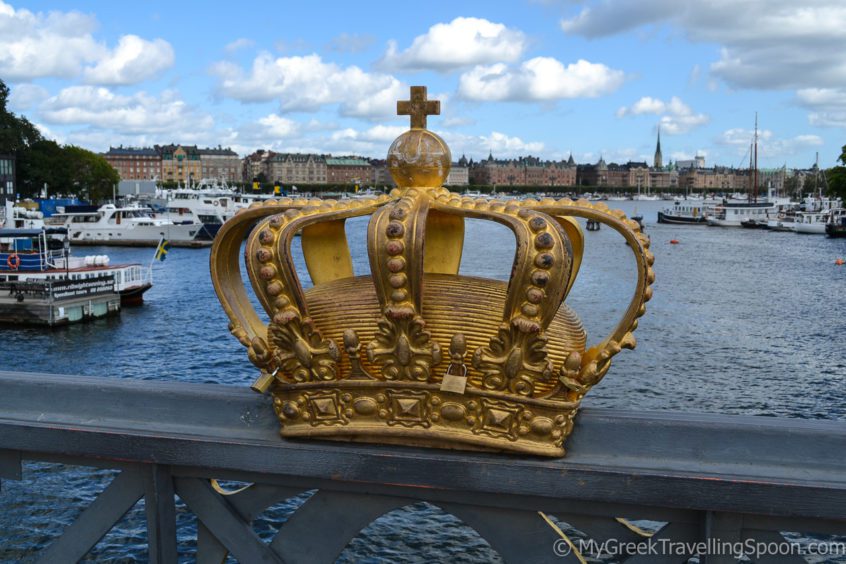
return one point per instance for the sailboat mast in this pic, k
(755, 173)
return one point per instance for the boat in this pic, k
(784, 220)
(683, 212)
(208, 203)
(811, 222)
(751, 212)
(754, 223)
(41, 255)
(131, 225)
(836, 226)
(732, 214)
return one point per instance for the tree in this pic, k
(43, 163)
(836, 177)
(90, 174)
(16, 133)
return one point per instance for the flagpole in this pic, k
(153, 260)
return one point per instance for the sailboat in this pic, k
(751, 213)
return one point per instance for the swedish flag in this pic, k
(162, 249)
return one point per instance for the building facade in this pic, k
(180, 163)
(348, 170)
(131, 163)
(292, 168)
(220, 164)
(458, 175)
(522, 171)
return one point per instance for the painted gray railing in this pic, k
(739, 481)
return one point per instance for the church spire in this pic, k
(659, 159)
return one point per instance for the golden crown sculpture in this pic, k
(361, 358)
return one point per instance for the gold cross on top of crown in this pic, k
(418, 107)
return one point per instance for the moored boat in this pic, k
(732, 214)
(126, 226)
(812, 223)
(683, 212)
(836, 226)
(44, 255)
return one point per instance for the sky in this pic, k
(594, 78)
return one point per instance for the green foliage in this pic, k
(836, 177)
(66, 170)
(16, 133)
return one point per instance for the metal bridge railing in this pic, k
(713, 483)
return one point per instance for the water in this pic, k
(742, 322)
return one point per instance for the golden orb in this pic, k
(419, 158)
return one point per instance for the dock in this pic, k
(57, 302)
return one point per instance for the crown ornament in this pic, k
(415, 353)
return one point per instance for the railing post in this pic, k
(161, 515)
(720, 529)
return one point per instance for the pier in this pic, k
(57, 302)
(738, 480)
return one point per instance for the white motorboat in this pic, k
(812, 223)
(126, 226)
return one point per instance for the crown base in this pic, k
(420, 414)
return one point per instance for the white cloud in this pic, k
(133, 60)
(500, 144)
(25, 96)
(307, 84)
(828, 106)
(463, 42)
(765, 43)
(139, 113)
(539, 79)
(646, 105)
(769, 145)
(676, 116)
(380, 134)
(351, 43)
(238, 44)
(61, 44)
(278, 126)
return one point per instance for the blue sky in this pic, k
(521, 77)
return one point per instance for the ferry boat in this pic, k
(43, 255)
(684, 212)
(126, 226)
(836, 226)
(732, 214)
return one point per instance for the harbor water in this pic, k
(742, 321)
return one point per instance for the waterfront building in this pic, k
(773, 178)
(667, 177)
(180, 163)
(522, 171)
(254, 165)
(612, 175)
(716, 179)
(696, 162)
(381, 175)
(293, 168)
(134, 163)
(348, 170)
(7, 179)
(459, 174)
(220, 164)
